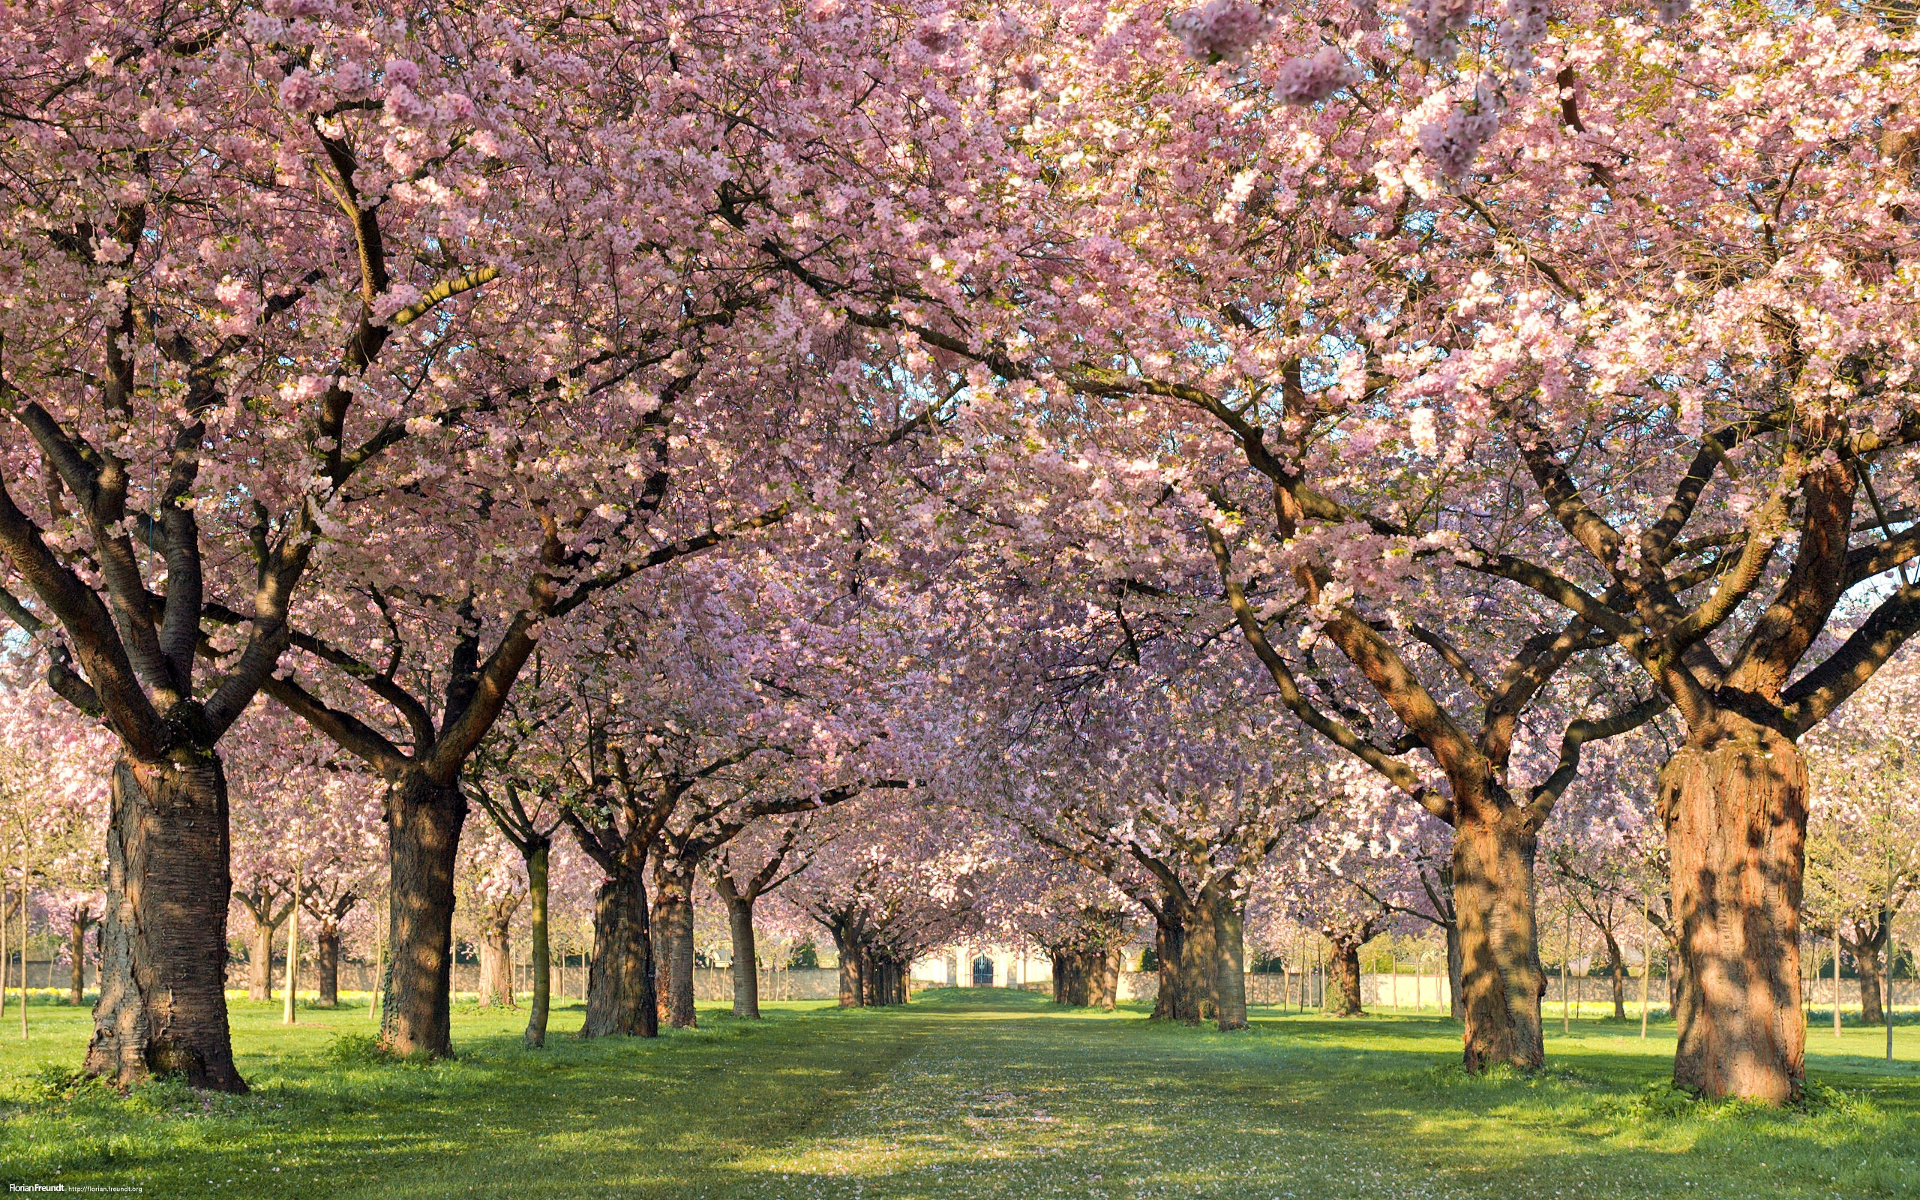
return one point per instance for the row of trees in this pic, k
(1330, 431)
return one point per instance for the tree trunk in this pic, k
(1736, 820)
(1867, 961)
(496, 961)
(673, 918)
(163, 944)
(1501, 980)
(746, 958)
(620, 978)
(326, 965)
(260, 959)
(1059, 958)
(1230, 961)
(1456, 996)
(78, 991)
(537, 859)
(1103, 978)
(1343, 970)
(849, 961)
(1199, 992)
(1169, 937)
(423, 832)
(1617, 967)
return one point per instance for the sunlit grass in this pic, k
(963, 1094)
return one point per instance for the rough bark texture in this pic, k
(1455, 994)
(1870, 1011)
(496, 961)
(620, 980)
(850, 993)
(260, 959)
(423, 831)
(746, 958)
(1501, 980)
(542, 949)
(1168, 937)
(1102, 971)
(673, 925)
(1230, 962)
(1736, 820)
(1343, 978)
(163, 945)
(326, 965)
(1075, 988)
(1199, 998)
(1617, 968)
(78, 992)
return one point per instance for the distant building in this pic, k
(982, 966)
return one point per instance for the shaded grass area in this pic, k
(328, 1117)
(963, 1094)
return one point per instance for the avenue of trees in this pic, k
(1060, 473)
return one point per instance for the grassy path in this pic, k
(961, 1095)
(1009, 1099)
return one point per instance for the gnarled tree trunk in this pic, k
(326, 964)
(1617, 967)
(848, 959)
(163, 944)
(1102, 971)
(1736, 818)
(1169, 937)
(620, 981)
(746, 958)
(1866, 960)
(1501, 979)
(260, 959)
(1199, 997)
(1230, 961)
(673, 925)
(1343, 978)
(423, 830)
(496, 960)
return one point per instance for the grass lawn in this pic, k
(962, 1094)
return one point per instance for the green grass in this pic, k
(963, 1094)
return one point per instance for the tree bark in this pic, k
(1229, 961)
(746, 958)
(1169, 938)
(260, 959)
(1617, 967)
(326, 965)
(848, 959)
(542, 949)
(163, 944)
(496, 961)
(673, 918)
(1735, 812)
(423, 831)
(1867, 962)
(1501, 980)
(1343, 977)
(1199, 991)
(1456, 996)
(620, 979)
(78, 991)
(1102, 969)
(1059, 959)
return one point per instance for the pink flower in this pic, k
(1220, 30)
